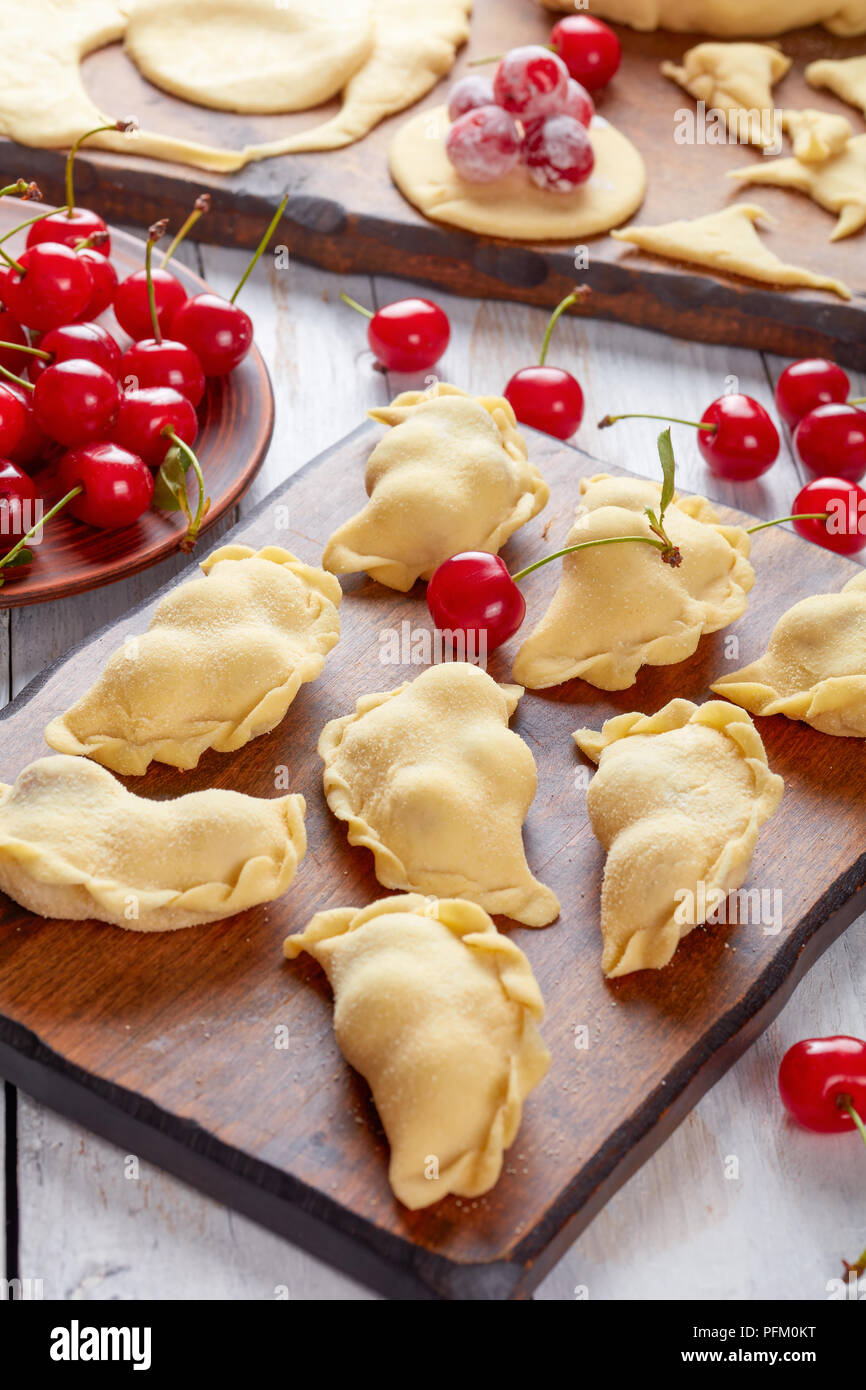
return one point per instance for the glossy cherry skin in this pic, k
(546, 398)
(53, 289)
(12, 332)
(85, 341)
(68, 230)
(104, 278)
(815, 1072)
(832, 440)
(844, 531)
(118, 486)
(144, 415)
(219, 333)
(149, 363)
(11, 421)
(132, 308)
(807, 384)
(409, 335)
(76, 401)
(474, 593)
(744, 443)
(17, 504)
(590, 50)
(34, 446)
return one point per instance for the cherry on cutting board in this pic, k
(809, 383)
(548, 398)
(735, 435)
(844, 531)
(483, 144)
(76, 401)
(558, 153)
(589, 48)
(47, 285)
(468, 94)
(530, 82)
(409, 335)
(832, 440)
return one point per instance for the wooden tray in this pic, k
(345, 214)
(165, 1044)
(236, 420)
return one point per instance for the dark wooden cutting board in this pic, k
(165, 1044)
(345, 214)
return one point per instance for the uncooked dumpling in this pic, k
(838, 184)
(736, 78)
(677, 802)
(619, 607)
(222, 660)
(727, 241)
(74, 843)
(432, 780)
(846, 77)
(439, 1014)
(451, 475)
(816, 135)
(731, 19)
(815, 666)
(514, 207)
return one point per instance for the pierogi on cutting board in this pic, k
(729, 19)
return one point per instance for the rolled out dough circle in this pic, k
(514, 207)
(250, 55)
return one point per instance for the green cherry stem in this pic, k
(780, 520)
(640, 415)
(126, 126)
(272, 225)
(10, 376)
(194, 522)
(585, 545)
(155, 234)
(858, 400)
(845, 1103)
(9, 557)
(578, 293)
(21, 188)
(31, 351)
(22, 226)
(200, 207)
(353, 304)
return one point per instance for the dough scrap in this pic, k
(250, 55)
(731, 19)
(75, 844)
(619, 607)
(737, 78)
(814, 668)
(677, 802)
(223, 658)
(451, 475)
(816, 135)
(439, 1013)
(514, 207)
(432, 780)
(727, 241)
(846, 77)
(839, 184)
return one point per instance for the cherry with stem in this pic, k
(548, 398)
(409, 335)
(200, 207)
(735, 435)
(20, 554)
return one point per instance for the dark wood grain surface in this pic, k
(166, 1043)
(236, 420)
(345, 214)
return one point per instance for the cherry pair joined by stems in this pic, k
(409, 335)
(735, 435)
(548, 398)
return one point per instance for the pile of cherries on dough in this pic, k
(536, 111)
(105, 418)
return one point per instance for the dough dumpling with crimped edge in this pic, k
(729, 19)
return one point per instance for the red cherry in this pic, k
(468, 94)
(744, 443)
(76, 401)
(590, 49)
(531, 82)
(219, 333)
(144, 415)
(558, 153)
(11, 421)
(34, 446)
(807, 384)
(578, 103)
(483, 145)
(104, 278)
(546, 398)
(844, 531)
(409, 335)
(132, 307)
(149, 363)
(84, 341)
(17, 503)
(815, 1073)
(68, 228)
(51, 288)
(118, 486)
(11, 332)
(474, 593)
(831, 439)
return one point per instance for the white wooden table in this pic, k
(682, 1227)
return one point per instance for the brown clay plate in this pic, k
(236, 419)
